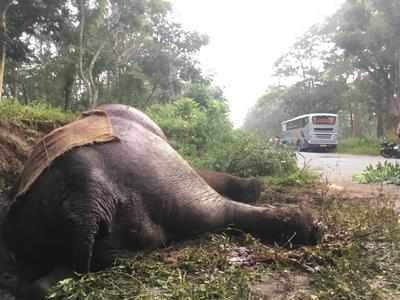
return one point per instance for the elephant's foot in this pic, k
(285, 226)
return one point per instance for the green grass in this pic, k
(12, 110)
(362, 146)
(297, 178)
(196, 271)
(364, 245)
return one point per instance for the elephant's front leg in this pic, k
(83, 229)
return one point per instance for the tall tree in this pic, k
(266, 116)
(4, 6)
(20, 21)
(304, 69)
(364, 33)
(128, 51)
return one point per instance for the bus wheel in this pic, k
(298, 146)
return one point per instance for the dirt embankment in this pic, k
(16, 141)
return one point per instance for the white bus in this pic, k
(311, 131)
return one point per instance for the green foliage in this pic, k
(361, 145)
(247, 155)
(295, 178)
(386, 172)
(202, 93)
(266, 115)
(130, 52)
(200, 271)
(11, 109)
(205, 137)
(191, 128)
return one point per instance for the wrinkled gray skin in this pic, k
(134, 194)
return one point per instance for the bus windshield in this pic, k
(326, 120)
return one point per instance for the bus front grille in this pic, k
(323, 136)
(323, 129)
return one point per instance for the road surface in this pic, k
(338, 168)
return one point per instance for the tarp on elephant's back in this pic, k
(93, 127)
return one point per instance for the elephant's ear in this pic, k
(92, 127)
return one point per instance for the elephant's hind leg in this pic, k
(287, 226)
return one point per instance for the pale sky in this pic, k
(246, 38)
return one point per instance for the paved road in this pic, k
(338, 168)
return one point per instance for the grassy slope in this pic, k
(14, 111)
(20, 127)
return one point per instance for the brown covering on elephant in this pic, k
(137, 193)
(93, 127)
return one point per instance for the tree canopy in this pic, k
(79, 53)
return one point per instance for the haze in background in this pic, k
(246, 38)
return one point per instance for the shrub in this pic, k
(205, 137)
(360, 145)
(386, 172)
(247, 155)
(11, 109)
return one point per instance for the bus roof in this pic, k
(310, 115)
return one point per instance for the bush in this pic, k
(386, 172)
(360, 145)
(191, 127)
(205, 137)
(247, 155)
(11, 109)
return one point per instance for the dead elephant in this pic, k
(132, 192)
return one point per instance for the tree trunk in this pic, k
(67, 96)
(69, 79)
(87, 74)
(84, 78)
(351, 119)
(380, 129)
(2, 67)
(14, 82)
(92, 82)
(3, 49)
